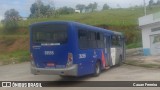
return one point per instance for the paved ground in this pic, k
(145, 59)
(21, 72)
(124, 72)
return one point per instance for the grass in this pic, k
(124, 17)
(112, 17)
(1, 25)
(14, 57)
(1, 28)
(14, 49)
(134, 45)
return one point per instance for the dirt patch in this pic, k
(14, 44)
(19, 44)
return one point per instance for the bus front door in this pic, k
(107, 41)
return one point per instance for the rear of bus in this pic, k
(52, 49)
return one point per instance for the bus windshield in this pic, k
(54, 33)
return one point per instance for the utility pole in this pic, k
(145, 11)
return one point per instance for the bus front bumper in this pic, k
(69, 71)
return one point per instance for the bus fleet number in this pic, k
(49, 52)
(82, 56)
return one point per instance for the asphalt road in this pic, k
(21, 72)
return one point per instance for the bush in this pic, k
(10, 26)
(134, 45)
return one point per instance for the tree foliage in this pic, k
(158, 2)
(65, 10)
(80, 7)
(151, 2)
(11, 20)
(87, 9)
(105, 7)
(91, 7)
(38, 9)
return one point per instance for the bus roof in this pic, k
(79, 24)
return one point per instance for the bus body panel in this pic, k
(84, 60)
(45, 53)
(87, 60)
(42, 58)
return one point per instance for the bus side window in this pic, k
(120, 41)
(82, 39)
(116, 41)
(92, 39)
(100, 40)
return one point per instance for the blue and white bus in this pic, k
(68, 48)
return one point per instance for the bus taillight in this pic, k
(70, 59)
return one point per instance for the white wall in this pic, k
(149, 19)
(146, 23)
(146, 32)
(145, 37)
(146, 20)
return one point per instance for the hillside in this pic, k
(113, 17)
(121, 20)
(15, 46)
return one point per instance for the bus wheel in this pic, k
(97, 69)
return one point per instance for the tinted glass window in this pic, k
(92, 40)
(116, 41)
(100, 40)
(56, 33)
(89, 39)
(82, 39)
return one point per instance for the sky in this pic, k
(23, 6)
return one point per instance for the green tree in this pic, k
(80, 7)
(12, 14)
(87, 8)
(151, 3)
(105, 7)
(90, 6)
(11, 20)
(65, 10)
(158, 2)
(93, 6)
(38, 9)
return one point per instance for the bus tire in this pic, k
(120, 60)
(97, 69)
